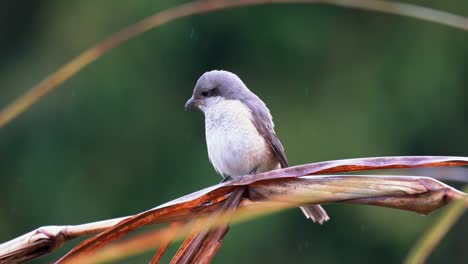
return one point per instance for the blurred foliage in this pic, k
(115, 140)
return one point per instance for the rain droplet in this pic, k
(192, 33)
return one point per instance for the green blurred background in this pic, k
(115, 140)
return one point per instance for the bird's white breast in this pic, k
(235, 147)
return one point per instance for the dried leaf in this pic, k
(190, 205)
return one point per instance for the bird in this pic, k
(239, 131)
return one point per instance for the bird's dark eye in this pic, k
(209, 93)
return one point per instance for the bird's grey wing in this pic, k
(264, 124)
(269, 134)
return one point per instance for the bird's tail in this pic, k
(316, 213)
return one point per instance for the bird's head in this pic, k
(216, 86)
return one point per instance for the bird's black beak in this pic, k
(191, 103)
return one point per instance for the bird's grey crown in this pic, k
(222, 83)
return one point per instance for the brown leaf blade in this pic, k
(202, 245)
(359, 164)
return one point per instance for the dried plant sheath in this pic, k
(405, 193)
(418, 194)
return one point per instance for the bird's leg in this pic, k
(254, 171)
(226, 178)
(244, 177)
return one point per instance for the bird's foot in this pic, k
(226, 179)
(254, 171)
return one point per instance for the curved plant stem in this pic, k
(421, 251)
(199, 7)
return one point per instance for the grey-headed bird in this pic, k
(239, 130)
